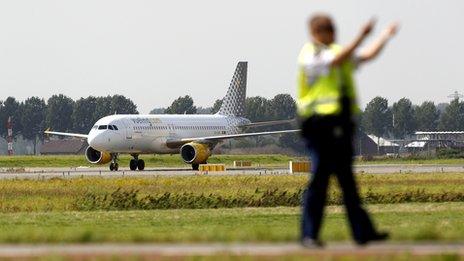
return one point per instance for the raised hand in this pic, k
(367, 28)
(391, 29)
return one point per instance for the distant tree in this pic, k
(3, 119)
(282, 107)
(377, 118)
(116, 104)
(427, 116)
(441, 107)
(452, 119)
(59, 113)
(292, 141)
(10, 108)
(360, 122)
(201, 110)
(257, 109)
(216, 106)
(158, 111)
(33, 119)
(84, 114)
(403, 118)
(182, 105)
(103, 107)
(122, 105)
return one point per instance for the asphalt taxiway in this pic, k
(275, 250)
(44, 173)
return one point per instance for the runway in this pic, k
(237, 249)
(44, 173)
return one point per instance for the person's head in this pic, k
(322, 29)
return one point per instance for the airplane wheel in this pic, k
(141, 165)
(111, 167)
(195, 166)
(133, 164)
(116, 166)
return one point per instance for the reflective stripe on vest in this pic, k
(323, 96)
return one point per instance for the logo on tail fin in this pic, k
(233, 103)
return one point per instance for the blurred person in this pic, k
(326, 107)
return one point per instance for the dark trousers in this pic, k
(329, 140)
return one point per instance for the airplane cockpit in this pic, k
(105, 127)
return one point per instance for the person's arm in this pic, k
(377, 46)
(348, 50)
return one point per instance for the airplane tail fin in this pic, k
(233, 103)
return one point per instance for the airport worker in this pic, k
(326, 105)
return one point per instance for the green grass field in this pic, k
(407, 222)
(413, 207)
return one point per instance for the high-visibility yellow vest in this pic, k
(323, 96)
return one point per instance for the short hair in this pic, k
(316, 20)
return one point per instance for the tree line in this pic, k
(398, 120)
(257, 108)
(61, 113)
(403, 118)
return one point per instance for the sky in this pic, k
(155, 51)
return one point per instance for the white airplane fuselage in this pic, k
(148, 134)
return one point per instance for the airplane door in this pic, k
(129, 136)
(129, 130)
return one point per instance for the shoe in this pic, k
(379, 236)
(308, 242)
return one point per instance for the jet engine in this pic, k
(195, 153)
(97, 157)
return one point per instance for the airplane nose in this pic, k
(96, 141)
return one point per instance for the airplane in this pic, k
(191, 136)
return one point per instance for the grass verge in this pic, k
(415, 222)
(129, 193)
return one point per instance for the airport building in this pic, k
(431, 140)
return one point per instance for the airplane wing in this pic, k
(77, 135)
(176, 143)
(268, 123)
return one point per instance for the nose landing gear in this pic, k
(136, 163)
(114, 166)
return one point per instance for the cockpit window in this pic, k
(104, 127)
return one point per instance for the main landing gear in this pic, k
(136, 163)
(196, 166)
(114, 166)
